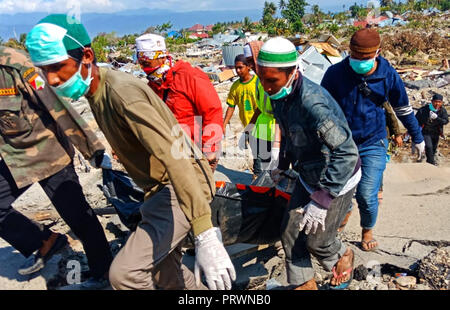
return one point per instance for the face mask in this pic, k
(76, 86)
(285, 90)
(363, 66)
(156, 74)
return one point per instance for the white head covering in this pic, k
(247, 51)
(279, 53)
(151, 46)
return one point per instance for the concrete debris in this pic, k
(435, 269)
(420, 84)
(360, 273)
(406, 282)
(219, 76)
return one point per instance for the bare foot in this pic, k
(368, 243)
(47, 244)
(342, 267)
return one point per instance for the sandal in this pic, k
(367, 249)
(345, 284)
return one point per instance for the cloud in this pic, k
(108, 6)
(61, 6)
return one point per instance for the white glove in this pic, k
(277, 175)
(213, 259)
(420, 148)
(313, 215)
(274, 155)
(433, 115)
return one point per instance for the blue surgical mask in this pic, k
(362, 66)
(285, 90)
(76, 86)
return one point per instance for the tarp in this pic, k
(248, 214)
(244, 213)
(174, 34)
(124, 195)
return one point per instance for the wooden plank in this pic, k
(53, 215)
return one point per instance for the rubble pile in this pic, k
(415, 48)
(435, 269)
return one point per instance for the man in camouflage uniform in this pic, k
(37, 133)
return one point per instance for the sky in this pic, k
(109, 6)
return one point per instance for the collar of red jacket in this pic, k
(170, 76)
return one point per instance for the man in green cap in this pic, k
(37, 134)
(156, 153)
(316, 140)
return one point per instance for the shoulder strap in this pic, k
(367, 92)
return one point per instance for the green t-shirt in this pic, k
(265, 124)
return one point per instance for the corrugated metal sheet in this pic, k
(229, 53)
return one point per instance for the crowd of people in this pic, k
(167, 133)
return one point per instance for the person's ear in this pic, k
(88, 56)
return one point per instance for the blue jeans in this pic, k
(373, 158)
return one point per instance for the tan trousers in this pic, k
(151, 258)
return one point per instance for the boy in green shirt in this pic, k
(255, 112)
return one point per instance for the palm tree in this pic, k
(269, 10)
(247, 25)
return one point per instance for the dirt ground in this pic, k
(409, 187)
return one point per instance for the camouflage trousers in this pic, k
(65, 192)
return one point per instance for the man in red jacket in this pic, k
(188, 93)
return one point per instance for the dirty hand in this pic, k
(213, 259)
(313, 215)
(277, 175)
(212, 160)
(420, 148)
(433, 115)
(399, 140)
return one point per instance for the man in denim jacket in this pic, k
(361, 84)
(317, 141)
